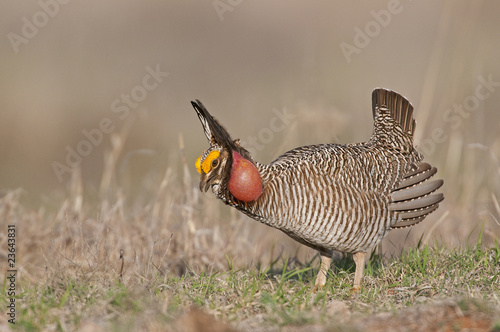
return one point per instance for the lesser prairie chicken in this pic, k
(329, 196)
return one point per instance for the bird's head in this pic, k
(225, 166)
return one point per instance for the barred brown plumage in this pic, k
(331, 196)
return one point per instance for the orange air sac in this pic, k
(245, 183)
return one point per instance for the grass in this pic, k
(141, 250)
(278, 299)
(278, 296)
(170, 260)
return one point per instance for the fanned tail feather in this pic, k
(414, 198)
(399, 108)
(393, 116)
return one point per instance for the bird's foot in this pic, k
(355, 290)
(317, 288)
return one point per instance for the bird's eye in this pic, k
(210, 161)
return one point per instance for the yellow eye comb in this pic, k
(198, 164)
(207, 163)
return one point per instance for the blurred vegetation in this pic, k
(126, 234)
(80, 65)
(169, 265)
(135, 187)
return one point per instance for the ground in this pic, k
(114, 272)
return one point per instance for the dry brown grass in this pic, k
(150, 263)
(127, 244)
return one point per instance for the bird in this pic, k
(329, 197)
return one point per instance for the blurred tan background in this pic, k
(67, 66)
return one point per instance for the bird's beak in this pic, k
(204, 183)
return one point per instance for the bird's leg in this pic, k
(359, 259)
(323, 270)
